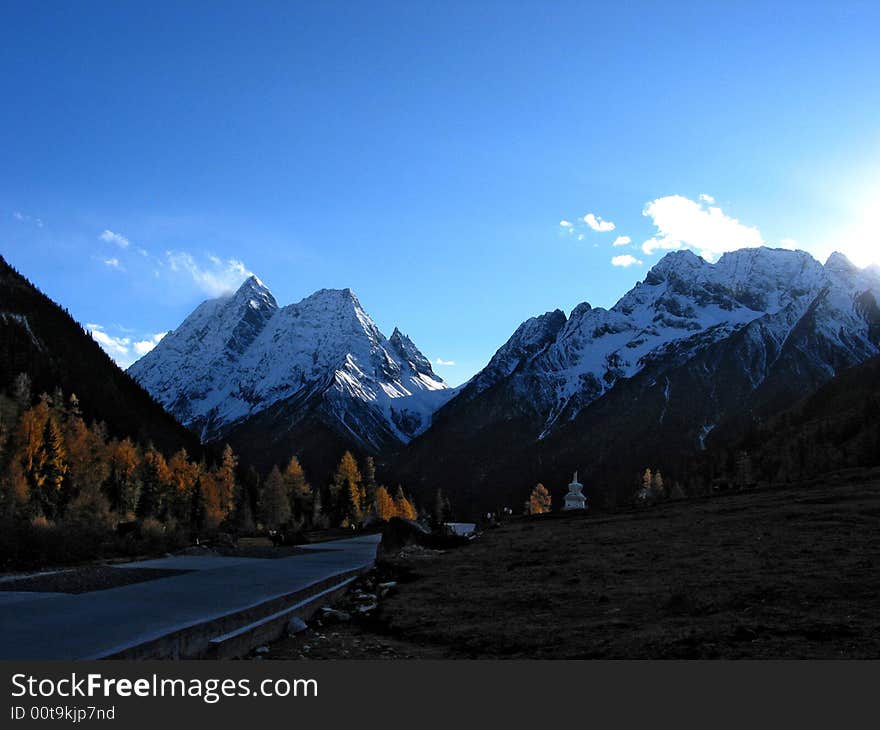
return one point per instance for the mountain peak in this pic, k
(334, 296)
(252, 283)
(839, 262)
(529, 338)
(234, 358)
(407, 349)
(397, 337)
(256, 293)
(682, 261)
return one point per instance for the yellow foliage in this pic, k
(385, 507)
(539, 501)
(403, 506)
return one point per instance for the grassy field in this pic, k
(789, 572)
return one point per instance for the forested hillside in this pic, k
(836, 428)
(40, 338)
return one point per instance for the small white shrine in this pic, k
(575, 499)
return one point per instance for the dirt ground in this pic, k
(791, 573)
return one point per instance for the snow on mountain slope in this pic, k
(237, 356)
(696, 352)
(683, 306)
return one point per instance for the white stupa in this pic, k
(574, 499)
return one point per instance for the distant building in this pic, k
(575, 499)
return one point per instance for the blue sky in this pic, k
(423, 154)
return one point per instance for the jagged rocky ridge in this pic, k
(269, 378)
(694, 349)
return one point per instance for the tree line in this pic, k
(351, 496)
(67, 485)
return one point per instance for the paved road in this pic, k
(64, 626)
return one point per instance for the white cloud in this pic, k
(707, 198)
(113, 263)
(625, 260)
(441, 361)
(116, 347)
(22, 218)
(788, 243)
(566, 224)
(622, 241)
(685, 223)
(123, 349)
(216, 278)
(142, 347)
(597, 224)
(117, 238)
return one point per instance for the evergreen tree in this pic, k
(744, 470)
(21, 391)
(14, 490)
(247, 489)
(53, 470)
(319, 519)
(198, 511)
(154, 481)
(441, 513)
(275, 504)
(369, 484)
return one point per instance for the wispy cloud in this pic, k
(788, 243)
(597, 224)
(109, 236)
(685, 223)
(622, 241)
(113, 263)
(24, 218)
(566, 224)
(625, 260)
(214, 277)
(444, 363)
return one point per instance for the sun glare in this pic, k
(859, 241)
(862, 244)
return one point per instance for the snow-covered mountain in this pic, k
(692, 346)
(242, 357)
(684, 305)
